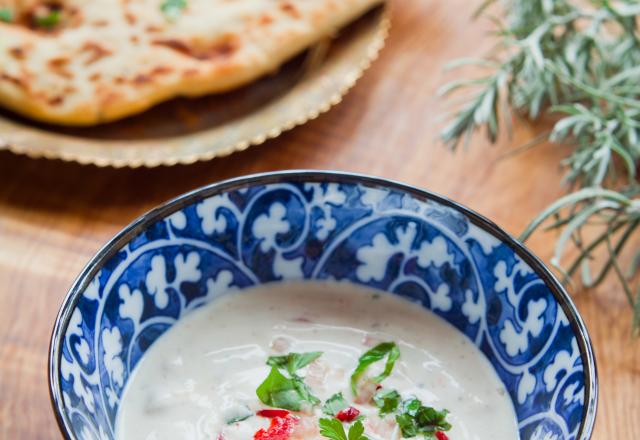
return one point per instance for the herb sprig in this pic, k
(417, 419)
(334, 404)
(172, 9)
(389, 350)
(280, 391)
(6, 15)
(577, 61)
(49, 20)
(333, 429)
(387, 401)
(293, 362)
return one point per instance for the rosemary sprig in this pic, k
(579, 61)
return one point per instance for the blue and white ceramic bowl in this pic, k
(324, 226)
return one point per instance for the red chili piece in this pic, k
(348, 414)
(271, 413)
(280, 428)
(441, 435)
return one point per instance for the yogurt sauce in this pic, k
(205, 370)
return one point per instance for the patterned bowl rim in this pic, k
(140, 224)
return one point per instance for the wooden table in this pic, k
(54, 216)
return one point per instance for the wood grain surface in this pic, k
(54, 216)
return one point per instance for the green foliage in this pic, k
(292, 362)
(334, 404)
(6, 15)
(416, 419)
(387, 401)
(172, 9)
(280, 391)
(389, 350)
(50, 20)
(333, 429)
(578, 61)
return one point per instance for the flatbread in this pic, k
(102, 60)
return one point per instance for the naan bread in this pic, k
(106, 59)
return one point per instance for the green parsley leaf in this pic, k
(387, 401)
(6, 15)
(418, 419)
(377, 353)
(356, 431)
(172, 9)
(292, 362)
(334, 404)
(48, 21)
(334, 430)
(411, 406)
(304, 391)
(407, 425)
(289, 393)
(279, 391)
(428, 418)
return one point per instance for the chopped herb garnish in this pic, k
(333, 429)
(417, 419)
(51, 19)
(292, 362)
(411, 406)
(6, 15)
(279, 391)
(291, 393)
(238, 419)
(377, 353)
(334, 404)
(285, 389)
(238, 414)
(172, 9)
(387, 401)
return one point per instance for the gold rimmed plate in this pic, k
(183, 131)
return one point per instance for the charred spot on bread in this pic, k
(141, 78)
(18, 52)
(161, 70)
(94, 52)
(16, 81)
(290, 9)
(59, 66)
(56, 100)
(224, 47)
(266, 19)
(131, 19)
(100, 23)
(147, 77)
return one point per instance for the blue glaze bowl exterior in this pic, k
(322, 226)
